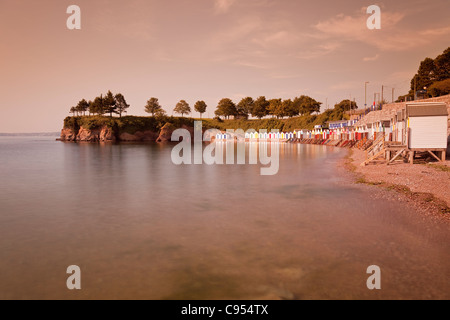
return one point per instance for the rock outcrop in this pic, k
(106, 134)
(166, 132)
(103, 134)
(68, 135)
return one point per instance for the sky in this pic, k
(207, 50)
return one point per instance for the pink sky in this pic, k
(206, 50)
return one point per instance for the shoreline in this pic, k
(411, 184)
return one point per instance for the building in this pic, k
(427, 126)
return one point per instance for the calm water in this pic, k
(140, 227)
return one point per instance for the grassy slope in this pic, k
(132, 124)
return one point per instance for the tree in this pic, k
(160, 113)
(306, 105)
(226, 108)
(97, 106)
(442, 65)
(430, 71)
(439, 88)
(245, 106)
(346, 105)
(121, 104)
(200, 107)
(82, 106)
(109, 103)
(153, 106)
(73, 110)
(289, 108)
(260, 108)
(274, 108)
(182, 108)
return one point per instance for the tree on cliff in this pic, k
(109, 103)
(290, 109)
(430, 71)
(274, 108)
(153, 106)
(245, 106)
(260, 107)
(442, 63)
(82, 107)
(306, 105)
(346, 105)
(200, 107)
(97, 106)
(439, 88)
(121, 104)
(226, 108)
(73, 110)
(182, 108)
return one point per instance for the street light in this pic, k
(365, 94)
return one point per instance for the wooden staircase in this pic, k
(376, 152)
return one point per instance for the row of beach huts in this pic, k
(397, 132)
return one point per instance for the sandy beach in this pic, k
(426, 186)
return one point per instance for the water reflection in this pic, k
(142, 227)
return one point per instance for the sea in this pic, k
(138, 226)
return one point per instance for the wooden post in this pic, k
(443, 155)
(411, 157)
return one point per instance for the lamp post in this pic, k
(365, 94)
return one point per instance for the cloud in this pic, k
(393, 36)
(436, 32)
(222, 6)
(318, 51)
(366, 59)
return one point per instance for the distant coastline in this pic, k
(32, 134)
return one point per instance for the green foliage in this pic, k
(442, 63)
(245, 106)
(133, 124)
(425, 76)
(109, 103)
(430, 71)
(82, 106)
(182, 108)
(200, 107)
(71, 123)
(291, 124)
(290, 109)
(439, 88)
(121, 104)
(274, 108)
(260, 107)
(226, 108)
(306, 105)
(154, 107)
(346, 105)
(97, 106)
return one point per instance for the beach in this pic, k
(426, 185)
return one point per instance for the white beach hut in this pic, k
(427, 127)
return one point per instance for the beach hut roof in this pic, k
(426, 109)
